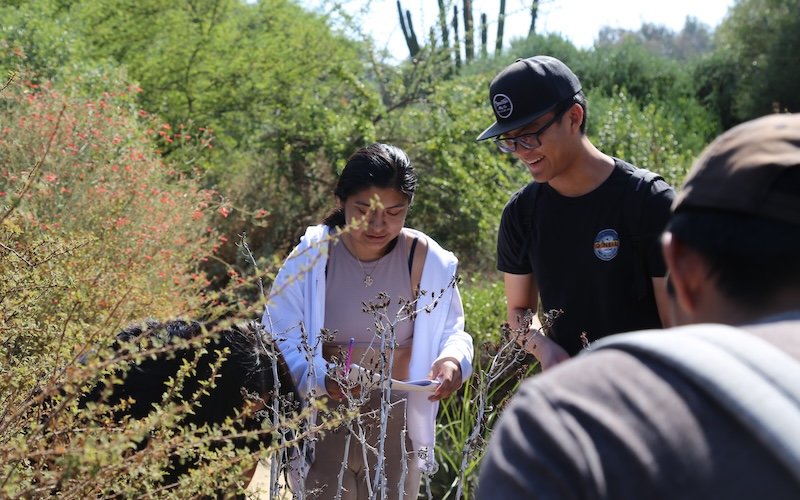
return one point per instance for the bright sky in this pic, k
(577, 20)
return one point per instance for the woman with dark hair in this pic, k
(363, 284)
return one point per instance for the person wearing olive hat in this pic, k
(583, 235)
(707, 409)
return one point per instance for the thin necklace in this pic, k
(368, 280)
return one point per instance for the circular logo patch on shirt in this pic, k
(502, 105)
(606, 244)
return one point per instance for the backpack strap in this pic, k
(752, 379)
(526, 218)
(639, 184)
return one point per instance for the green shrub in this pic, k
(662, 136)
(463, 185)
(484, 300)
(466, 418)
(630, 64)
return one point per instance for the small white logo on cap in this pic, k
(503, 107)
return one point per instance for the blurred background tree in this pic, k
(758, 46)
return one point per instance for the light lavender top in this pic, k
(346, 295)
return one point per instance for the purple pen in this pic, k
(349, 356)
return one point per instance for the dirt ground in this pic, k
(259, 485)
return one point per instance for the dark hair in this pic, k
(751, 258)
(248, 367)
(566, 104)
(377, 165)
(580, 99)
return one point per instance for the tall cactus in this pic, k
(408, 30)
(501, 22)
(456, 44)
(534, 13)
(484, 36)
(443, 25)
(469, 35)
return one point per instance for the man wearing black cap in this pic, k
(704, 410)
(583, 235)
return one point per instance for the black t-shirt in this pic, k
(589, 258)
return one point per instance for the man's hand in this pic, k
(448, 372)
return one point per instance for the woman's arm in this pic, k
(286, 319)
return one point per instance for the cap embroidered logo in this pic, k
(503, 106)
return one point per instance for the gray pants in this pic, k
(323, 477)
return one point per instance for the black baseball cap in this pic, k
(527, 89)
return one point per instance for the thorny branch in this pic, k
(507, 358)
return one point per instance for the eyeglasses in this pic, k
(530, 140)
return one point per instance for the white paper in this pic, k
(360, 375)
(415, 385)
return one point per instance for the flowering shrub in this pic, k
(95, 232)
(83, 171)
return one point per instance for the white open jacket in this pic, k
(296, 309)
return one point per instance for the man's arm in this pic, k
(522, 295)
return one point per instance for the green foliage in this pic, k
(520, 48)
(645, 76)
(284, 95)
(761, 39)
(36, 36)
(660, 136)
(463, 184)
(716, 79)
(456, 422)
(484, 300)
